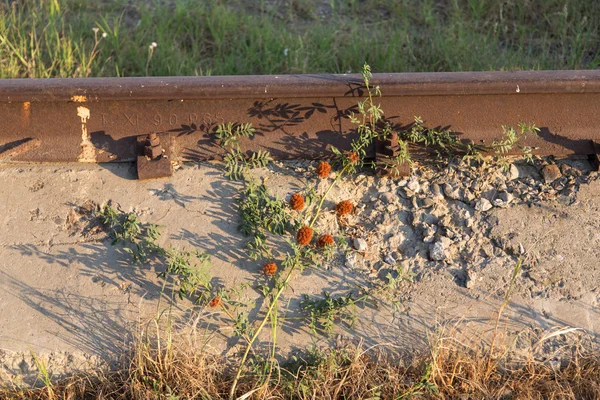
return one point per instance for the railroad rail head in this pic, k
(296, 116)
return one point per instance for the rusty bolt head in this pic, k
(153, 151)
(152, 140)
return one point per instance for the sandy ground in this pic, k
(75, 300)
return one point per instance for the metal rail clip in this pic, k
(385, 150)
(154, 156)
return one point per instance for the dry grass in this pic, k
(449, 370)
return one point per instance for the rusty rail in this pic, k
(296, 116)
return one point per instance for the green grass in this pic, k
(55, 38)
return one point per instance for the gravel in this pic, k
(441, 218)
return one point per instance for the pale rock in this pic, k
(483, 205)
(389, 258)
(360, 244)
(429, 233)
(499, 203)
(437, 251)
(413, 200)
(529, 173)
(505, 197)
(446, 242)
(488, 250)
(414, 185)
(396, 240)
(429, 239)
(450, 192)
(471, 277)
(427, 202)
(406, 193)
(352, 260)
(465, 213)
(467, 195)
(513, 172)
(429, 218)
(565, 200)
(436, 191)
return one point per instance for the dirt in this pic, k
(75, 301)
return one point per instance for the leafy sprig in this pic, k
(323, 313)
(260, 214)
(236, 161)
(186, 268)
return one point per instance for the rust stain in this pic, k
(25, 114)
(88, 152)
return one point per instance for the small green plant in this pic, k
(302, 254)
(186, 268)
(402, 275)
(138, 239)
(423, 386)
(322, 313)
(510, 140)
(229, 134)
(261, 214)
(243, 327)
(44, 375)
(236, 162)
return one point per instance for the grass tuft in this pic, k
(175, 369)
(67, 38)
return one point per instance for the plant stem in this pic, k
(501, 309)
(261, 326)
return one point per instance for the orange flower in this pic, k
(270, 269)
(215, 302)
(325, 240)
(297, 202)
(344, 207)
(353, 157)
(304, 235)
(323, 169)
